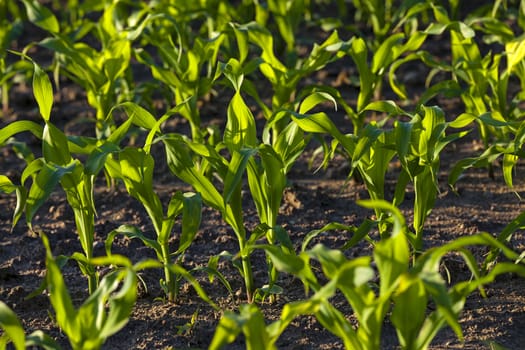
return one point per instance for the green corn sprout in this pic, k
(284, 80)
(100, 73)
(287, 16)
(58, 167)
(183, 66)
(403, 293)
(91, 324)
(136, 171)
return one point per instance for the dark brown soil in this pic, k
(483, 204)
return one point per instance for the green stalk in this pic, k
(168, 275)
(85, 230)
(248, 276)
(246, 265)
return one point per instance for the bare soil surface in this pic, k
(482, 204)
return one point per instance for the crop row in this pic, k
(246, 53)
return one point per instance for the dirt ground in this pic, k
(484, 204)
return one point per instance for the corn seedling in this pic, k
(136, 171)
(100, 73)
(182, 66)
(403, 293)
(91, 324)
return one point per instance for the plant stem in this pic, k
(248, 277)
(246, 267)
(168, 275)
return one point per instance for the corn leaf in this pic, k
(55, 147)
(43, 91)
(191, 219)
(41, 16)
(137, 173)
(408, 314)
(131, 232)
(44, 183)
(12, 327)
(59, 296)
(240, 126)
(18, 127)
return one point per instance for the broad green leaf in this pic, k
(509, 161)
(19, 126)
(55, 146)
(121, 304)
(191, 219)
(385, 53)
(515, 51)
(290, 144)
(40, 339)
(408, 314)
(320, 123)
(274, 181)
(139, 115)
(44, 183)
(236, 170)
(41, 16)
(226, 331)
(462, 120)
(359, 53)
(137, 173)
(334, 320)
(330, 259)
(240, 126)
(43, 92)
(425, 197)
(392, 258)
(59, 295)
(388, 106)
(12, 327)
(131, 232)
(180, 162)
(314, 99)
(297, 265)
(403, 134)
(6, 186)
(97, 159)
(254, 329)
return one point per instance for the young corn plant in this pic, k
(102, 314)
(180, 156)
(403, 294)
(389, 54)
(135, 169)
(287, 15)
(102, 73)
(486, 79)
(57, 166)
(189, 72)
(285, 80)
(228, 161)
